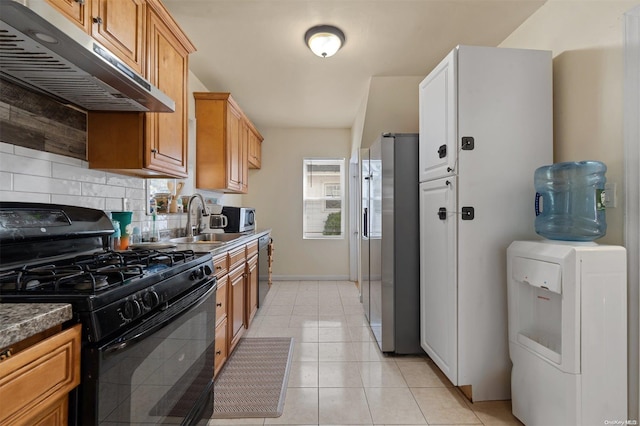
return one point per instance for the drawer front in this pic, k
(46, 371)
(221, 299)
(54, 415)
(221, 265)
(220, 347)
(237, 257)
(252, 249)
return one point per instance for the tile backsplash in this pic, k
(29, 175)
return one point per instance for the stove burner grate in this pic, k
(91, 273)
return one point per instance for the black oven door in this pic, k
(160, 372)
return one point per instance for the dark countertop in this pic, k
(21, 320)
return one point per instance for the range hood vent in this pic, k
(53, 56)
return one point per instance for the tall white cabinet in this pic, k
(485, 126)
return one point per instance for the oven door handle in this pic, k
(162, 319)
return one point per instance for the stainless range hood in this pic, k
(42, 50)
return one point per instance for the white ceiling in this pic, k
(255, 49)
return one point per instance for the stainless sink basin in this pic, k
(208, 238)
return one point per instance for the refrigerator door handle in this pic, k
(365, 227)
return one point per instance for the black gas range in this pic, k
(148, 316)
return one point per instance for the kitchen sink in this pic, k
(208, 238)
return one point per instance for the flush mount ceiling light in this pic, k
(324, 40)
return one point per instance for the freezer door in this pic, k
(365, 227)
(438, 274)
(438, 121)
(375, 240)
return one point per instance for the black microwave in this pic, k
(239, 219)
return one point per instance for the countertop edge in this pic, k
(19, 321)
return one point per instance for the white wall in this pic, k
(632, 175)
(392, 106)
(357, 128)
(275, 191)
(586, 38)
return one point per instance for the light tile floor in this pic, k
(339, 376)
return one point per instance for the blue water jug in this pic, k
(570, 201)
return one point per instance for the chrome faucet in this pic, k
(202, 213)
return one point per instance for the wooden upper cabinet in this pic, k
(235, 142)
(119, 25)
(168, 69)
(223, 135)
(149, 144)
(76, 11)
(255, 148)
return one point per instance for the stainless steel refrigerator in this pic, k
(389, 250)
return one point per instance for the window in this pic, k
(323, 198)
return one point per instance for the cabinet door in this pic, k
(56, 414)
(235, 132)
(220, 356)
(252, 289)
(168, 70)
(438, 276)
(236, 308)
(244, 157)
(255, 150)
(75, 10)
(438, 121)
(119, 26)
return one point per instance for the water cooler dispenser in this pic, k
(567, 307)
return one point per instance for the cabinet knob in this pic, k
(80, 2)
(219, 304)
(218, 352)
(154, 151)
(97, 19)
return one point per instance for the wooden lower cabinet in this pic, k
(55, 414)
(221, 319)
(236, 298)
(236, 316)
(252, 289)
(35, 382)
(221, 347)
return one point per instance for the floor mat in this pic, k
(253, 382)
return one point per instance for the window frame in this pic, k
(308, 234)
